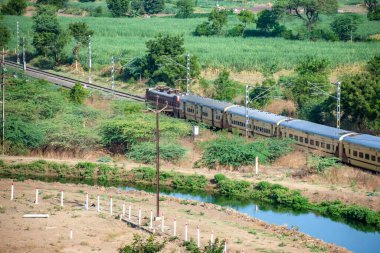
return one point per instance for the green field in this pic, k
(125, 38)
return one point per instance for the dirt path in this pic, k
(316, 188)
(102, 232)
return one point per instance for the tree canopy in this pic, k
(185, 8)
(345, 26)
(57, 3)
(154, 6)
(80, 32)
(267, 20)
(216, 20)
(225, 89)
(118, 8)
(14, 7)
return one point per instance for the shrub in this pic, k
(191, 182)
(78, 93)
(219, 177)
(146, 152)
(321, 164)
(143, 174)
(139, 245)
(14, 7)
(231, 188)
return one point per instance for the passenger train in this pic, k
(361, 150)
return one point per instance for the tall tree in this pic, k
(80, 31)
(373, 8)
(118, 8)
(14, 7)
(154, 6)
(307, 10)
(267, 20)
(49, 39)
(185, 8)
(57, 3)
(225, 89)
(5, 35)
(345, 26)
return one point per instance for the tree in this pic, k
(57, 3)
(5, 36)
(80, 31)
(154, 6)
(246, 17)
(345, 26)
(139, 245)
(307, 10)
(185, 8)
(118, 8)
(49, 39)
(216, 247)
(78, 93)
(267, 20)
(373, 8)
(225, 89)
(373, 66)
(216, 20)
(14, 7)
(137, 8)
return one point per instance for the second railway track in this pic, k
(68, 82)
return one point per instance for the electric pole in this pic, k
(3, 103)
(17, 43)
(157, 112)
(89, 60)
(23, 53)
(188, 74)
(338, 105)
(113, 74)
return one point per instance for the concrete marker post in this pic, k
(175, 227)
(111, 205)
(123, 214)
(12, 191)
(61, 198)
(198, 237)
(163, 224)
(151, 219)
(225, 246)
(139, 216)
(212, 238)
(36, 201)
(129, 212)
(86, 202)
(186, 232)
(71, 234)
(257, 165)
(98, 204)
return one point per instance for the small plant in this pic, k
(139, 245)
(105, 159)
(2, 209)
(321, 164)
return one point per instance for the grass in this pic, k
(125, 39)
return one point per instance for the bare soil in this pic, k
(104, 232)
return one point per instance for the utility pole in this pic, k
(157, 111)
(188, 74)
(113, 74)
(89, 60)
(3, 103)
(338, 105)
(23, 53)
(17, 43)
(246, 109)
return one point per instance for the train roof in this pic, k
(364, 140)
(209, 102)
(162, 93)
(257, 115)
(314, 128)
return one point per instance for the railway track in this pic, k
(68, 82)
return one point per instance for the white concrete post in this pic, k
(163, 224)
(225, 246)
(212, 238)
(71, 234)
(123, 210)
(256, 208)
(98, 205)
(12, 191)
(175, 227)
(151, 219)
(139, 216)
(257, 165)
(129, 212)
(111, 204)
(36, 197)
(61, 198)
(198, 237)
(86, 202)
(186, 232)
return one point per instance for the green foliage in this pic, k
(373, 65)
(267, 20)
(58, 3)
(185, 8)
(154, 6)
(236, 152)
(14, 7)
(145, 152)
(191, 182)
(78, 93)
(262, 94)
(234, 188)
(219, 177)
(225, 89)
(216, 20)
(373, 7)
(143, 174)
(118, 8)
(80, 32)
(121, 107)
(49, 39)
(5, 36)
(216, 247)
(246, 17)
(345, 26)
(86, 169)
(312, 65)
(140, 245)
(120, 134)
(321, 164)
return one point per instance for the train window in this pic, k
(306, 140)
(317, 143)
(296, 137)
(205, 114)
(360, 154)
(311, 142)
(322, 145)
(373, 158)
(355, 153)
(378, 159)
(328, 146)
(301, 139)
(366, 156)
(290, 135)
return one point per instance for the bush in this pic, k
(234, 188)
(321, 164)
(191, 182)
(145, 152)
(78, 93)
(219, 177)
(140, 245)
(14, 7)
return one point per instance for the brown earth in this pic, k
(104, 232)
